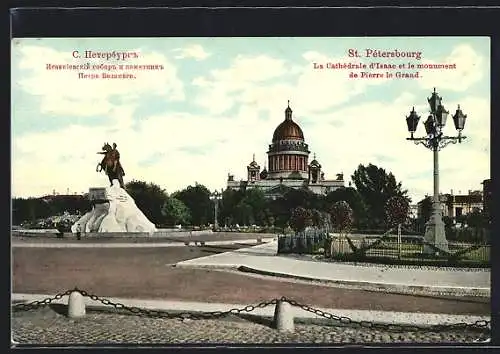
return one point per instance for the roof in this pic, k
(288, 130)
(466, 199)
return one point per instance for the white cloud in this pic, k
(224, 88)
(246, 81)
(63, 93)
(194, 51)
(470, 68)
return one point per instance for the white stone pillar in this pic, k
(283, 317)
(76, 305)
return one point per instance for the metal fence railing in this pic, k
(386, 249)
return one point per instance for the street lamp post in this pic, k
(216, 196)
(435, 141)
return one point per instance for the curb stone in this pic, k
(388, 288)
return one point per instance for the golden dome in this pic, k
(288, 129)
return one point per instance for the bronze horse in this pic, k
(110, 164)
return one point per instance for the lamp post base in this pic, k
(435, 234)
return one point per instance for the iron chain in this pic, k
(478, 325)
(40, 303)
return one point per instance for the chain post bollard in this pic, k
(76, 304)
(283, 316)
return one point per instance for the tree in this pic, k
(396, 211)
(270, 219)
(302, 197)
(176, 212)
(279, 210)
(30, 209)
(320, 219)
(244, 213)
(448, 227)
(197, 199)
(300, 219)
(425, 209)
(149, 198)
(475, 220)
(72, 204)
(230, 199)
(376, 186)
(341, 216)
(355, 201)
(256, 200)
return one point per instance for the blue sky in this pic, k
(218, 100)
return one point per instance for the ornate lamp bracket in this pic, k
(445, 142)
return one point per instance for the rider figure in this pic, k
(113, 155)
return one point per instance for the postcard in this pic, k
(254, 190)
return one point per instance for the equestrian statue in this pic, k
(110, 164)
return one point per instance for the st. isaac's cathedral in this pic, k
(288, 165)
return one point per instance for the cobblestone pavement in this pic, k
(45, 326)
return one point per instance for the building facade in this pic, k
(288, 165)
(456, 205)
(461, 205)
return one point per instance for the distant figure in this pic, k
(111, 165)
